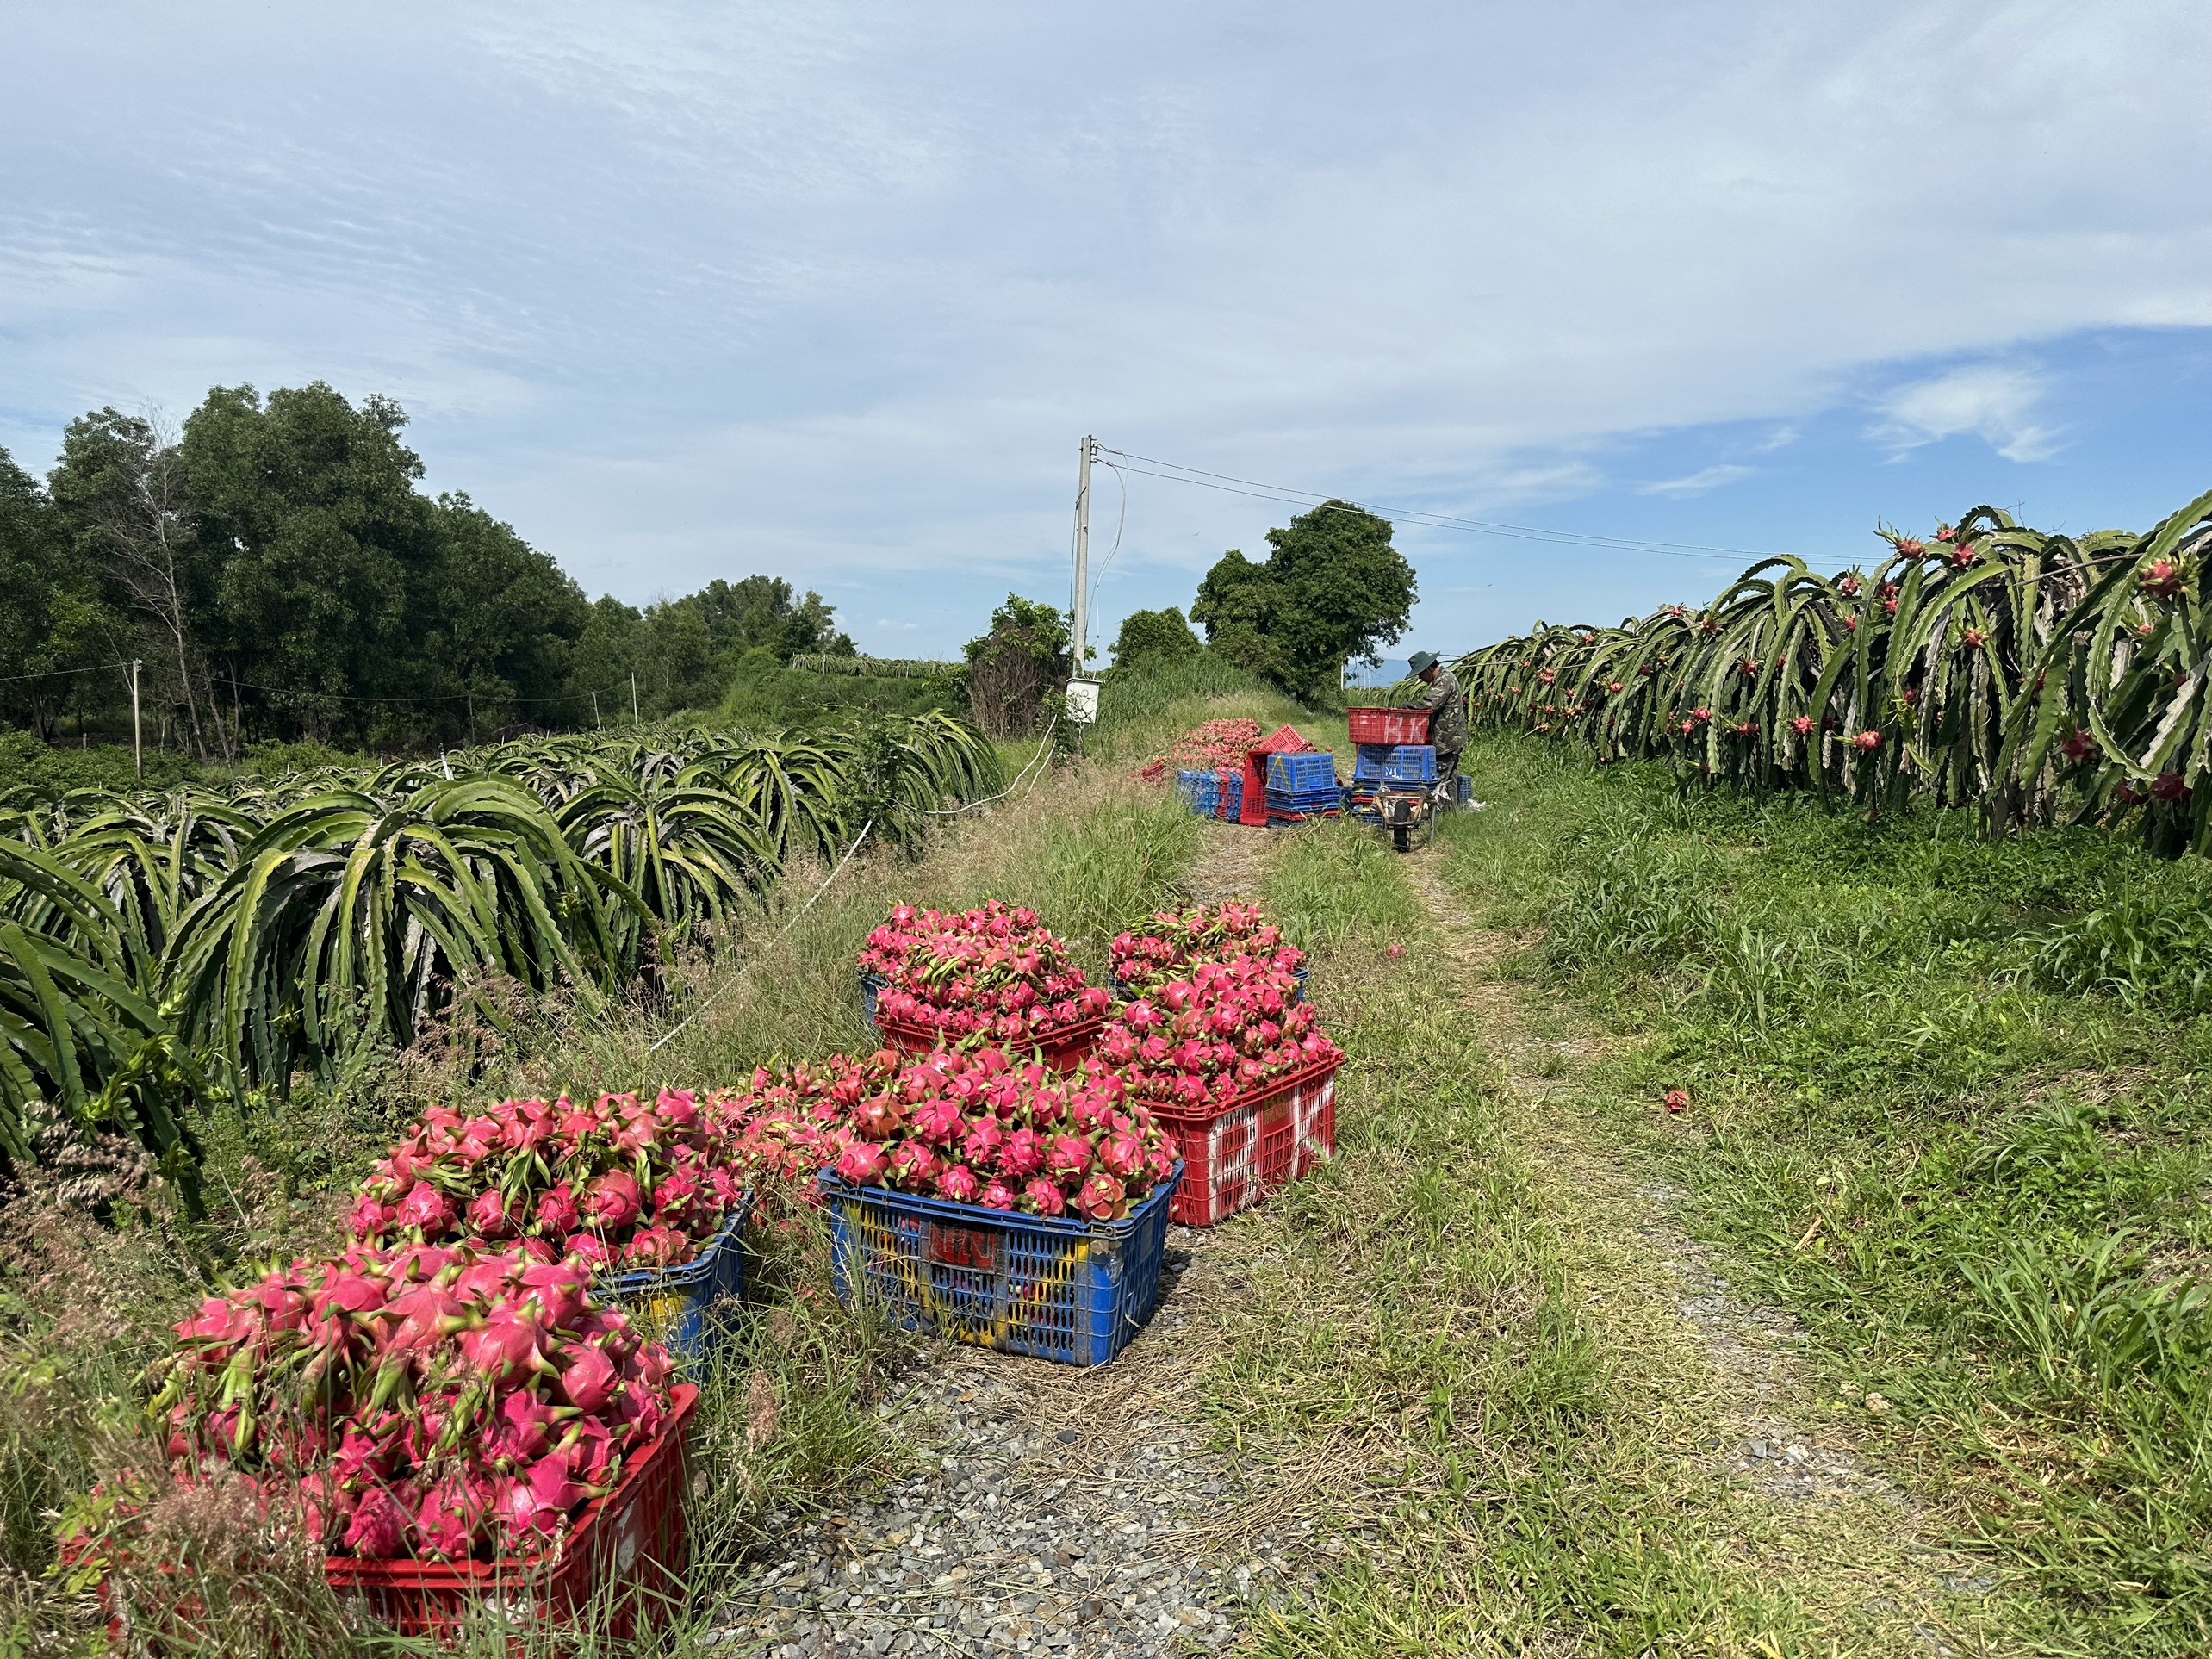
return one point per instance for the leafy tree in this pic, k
(1017, 670)
(506, 623)
(1332, 590)
(1154, 636)
(328, 556)
(606, 655)
(52, 620)
(762, 612)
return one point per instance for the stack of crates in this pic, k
(1303, 787)
(1211, 794)
(1394, 763)
(1380, 767)
(1201, 789)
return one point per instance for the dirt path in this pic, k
(1048, 1510)
(1724, 1375)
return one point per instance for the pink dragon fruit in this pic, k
(958, 1185)
(380, 1523)
(590, 1381)
(611, 1200)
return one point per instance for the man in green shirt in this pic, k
(1442, 697)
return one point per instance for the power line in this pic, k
(56, 673)
(1228, 484)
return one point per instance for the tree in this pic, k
(1332, 590)
(1016, 670)
(1154, 636)
(328, 556)
(760, 612)
(46, 626)
(507, 622)
(121, 487)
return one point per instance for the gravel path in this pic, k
(1048, 1510)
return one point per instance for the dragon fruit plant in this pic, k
(438, 1402)
(994, 975)
(621, 1183)
(1199, 1043)
(983, 1128)
(1145, 961)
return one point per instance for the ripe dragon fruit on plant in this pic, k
(991, 976)
(440, 1401)
(1174, 941)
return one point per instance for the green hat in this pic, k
(1422, 661)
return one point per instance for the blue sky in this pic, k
(831, 292)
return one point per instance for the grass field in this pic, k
(1946, 1110)
(1948, 1106)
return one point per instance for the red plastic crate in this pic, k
(1388, 725)
(1064, 1050)
(1233, 1159)
(632, 1540)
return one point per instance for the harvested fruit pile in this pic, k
(1144, 961)
(621, 1183)
(1226, 1031)
(982, 1129)
(1208, 746)
(440, 1402)
(448, 1390)
(992, 975)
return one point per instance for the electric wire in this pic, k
(956, 811)
(721, 989)
(1231, 485)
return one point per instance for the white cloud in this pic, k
(1997, 403)
(831, 292)
(1698, 482)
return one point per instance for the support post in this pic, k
(138, 742)
(634, 720)
(1079, 621)
(597, 723)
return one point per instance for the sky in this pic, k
(833, 292)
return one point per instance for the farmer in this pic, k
(1447, 730)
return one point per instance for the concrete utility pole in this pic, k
(138, 744)
(634, 720)
(597, 723)
(1080, 620)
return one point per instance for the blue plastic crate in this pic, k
(673, 1305)
(1070, 1291)
(1410, 763)
(871, 987)
(1369, 761)
(1294, 774)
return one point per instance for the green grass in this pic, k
(1950, 1105)
(1413, 1359)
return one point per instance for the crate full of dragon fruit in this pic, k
(675, 1306)
(1232, 1159)
(616, 1571)
(1052, 1287)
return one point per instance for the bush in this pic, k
(25, 759)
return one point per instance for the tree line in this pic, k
(276, 568)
